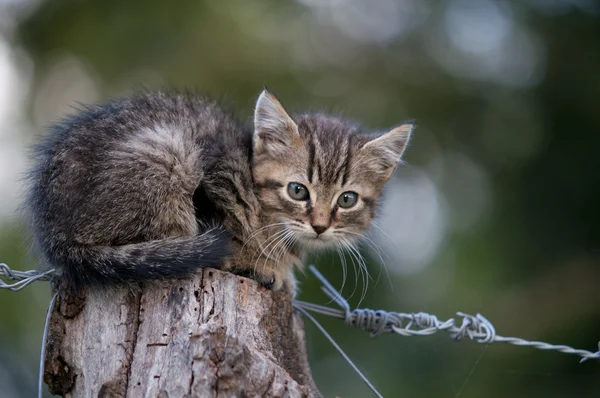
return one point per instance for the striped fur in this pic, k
(160, 184)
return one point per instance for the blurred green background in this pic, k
(496, 210)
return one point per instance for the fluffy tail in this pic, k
(159, 259)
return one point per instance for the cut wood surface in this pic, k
(215, 334)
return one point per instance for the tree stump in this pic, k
(215, 334)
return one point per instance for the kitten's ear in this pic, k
(384, 152)
(274, 129)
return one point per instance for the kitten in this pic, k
(160, 184)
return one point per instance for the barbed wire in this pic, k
(23, 278)
(476, 328)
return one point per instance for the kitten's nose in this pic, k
(319, 229)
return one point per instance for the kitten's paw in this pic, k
(266, 280)
(284, 280)
(275, 280)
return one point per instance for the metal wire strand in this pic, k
(43, 350)
(23, 278)
(476, 328)
(339, 349)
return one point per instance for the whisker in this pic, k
(261, 247)
(286, 241)
(371, 243)
(268, 241)
(364, 271)
(279, 241)
(374, 224)
(338, 248)
(380, 253)
(344, 266)
(272, 239)
(284, 247)
(385, 267)
(247, 240)
(354, 265)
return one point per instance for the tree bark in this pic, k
(216, 334)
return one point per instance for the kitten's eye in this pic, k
(297, 191)
(347, 199)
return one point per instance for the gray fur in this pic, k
(159, 184)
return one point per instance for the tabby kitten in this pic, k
(161, 184)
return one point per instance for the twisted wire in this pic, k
(375, 322)
(476, 328)
(23, 278)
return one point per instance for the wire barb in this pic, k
(476, 328)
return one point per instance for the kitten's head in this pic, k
(320, 178)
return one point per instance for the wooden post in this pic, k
(213, 335)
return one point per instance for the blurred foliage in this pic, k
(506, 95)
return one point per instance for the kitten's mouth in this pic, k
(317, 241)
(309, 238)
